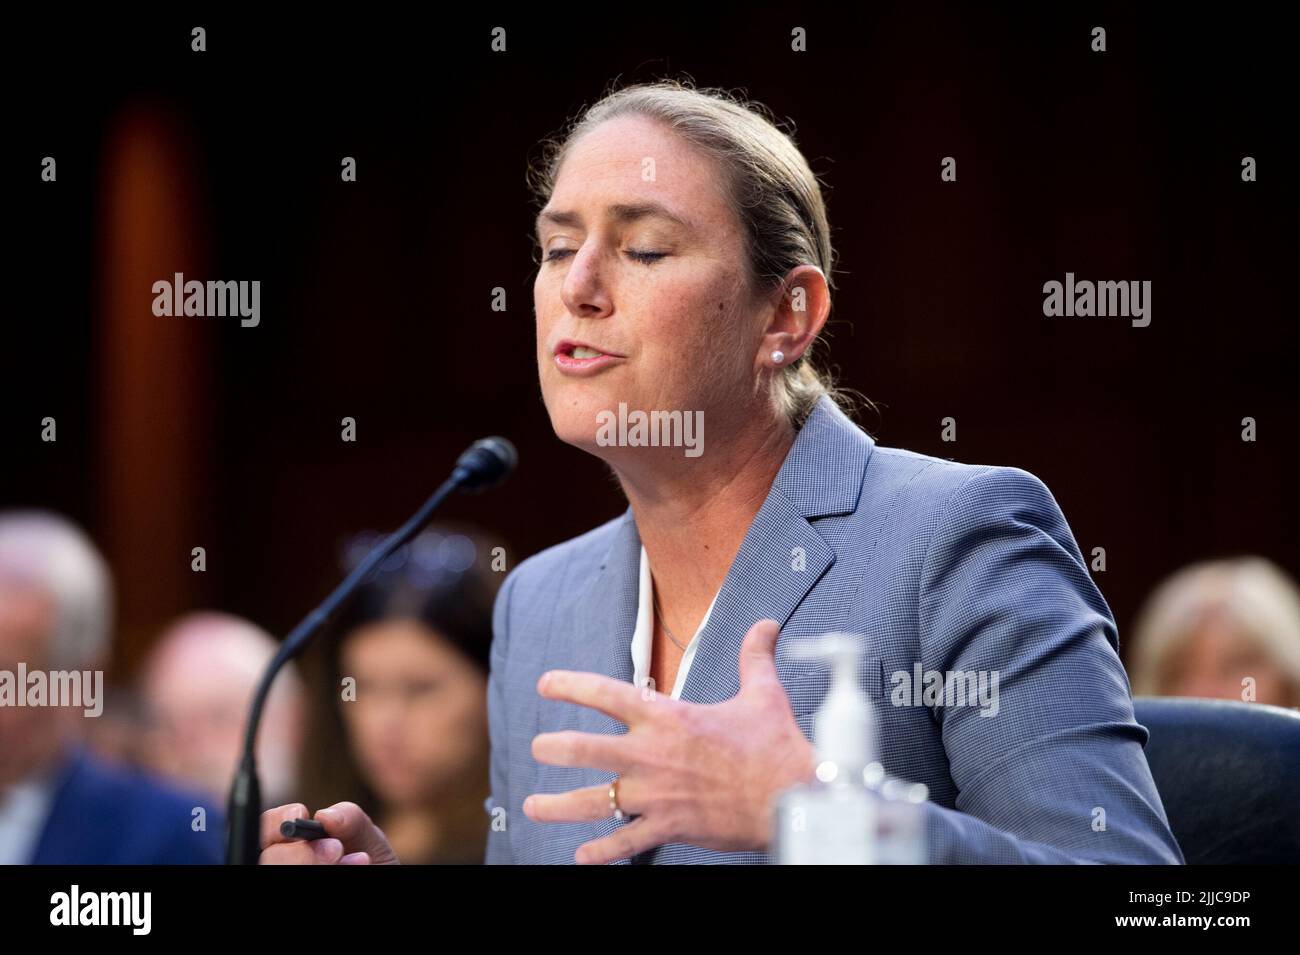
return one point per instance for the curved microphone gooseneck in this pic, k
(486, 464)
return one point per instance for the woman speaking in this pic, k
(639, 706)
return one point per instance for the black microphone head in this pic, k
(487, 463)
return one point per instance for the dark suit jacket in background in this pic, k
(105, 814)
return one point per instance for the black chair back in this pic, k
(1229, 777)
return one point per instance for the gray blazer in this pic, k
(939, 566)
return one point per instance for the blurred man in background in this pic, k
(195, 689)
(59, 803)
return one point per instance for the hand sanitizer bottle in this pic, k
(900, 822)
(832, 821)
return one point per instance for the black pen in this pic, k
(302, 829)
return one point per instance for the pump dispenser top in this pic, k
(844, 727)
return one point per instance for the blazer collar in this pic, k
(821, 476)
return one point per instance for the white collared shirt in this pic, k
(643, 633)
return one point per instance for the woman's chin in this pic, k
(581, 436)
(576, 423)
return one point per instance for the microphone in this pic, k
(486, 464)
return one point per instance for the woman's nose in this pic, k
(584, 290)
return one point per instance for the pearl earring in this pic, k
(778, 357)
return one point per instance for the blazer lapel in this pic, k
(782, 556)
(593, 635)
(596, 633)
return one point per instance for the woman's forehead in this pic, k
(619, 163)
(618, 208)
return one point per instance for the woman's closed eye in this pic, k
(645, 257)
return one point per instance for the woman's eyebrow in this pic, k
(620, 212)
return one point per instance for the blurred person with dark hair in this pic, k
(195, 688)
(407, 667)
(59, 802)
(1221, 629)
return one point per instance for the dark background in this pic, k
(183, 432)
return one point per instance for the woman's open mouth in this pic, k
(579, 358)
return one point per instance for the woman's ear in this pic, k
(800, 313)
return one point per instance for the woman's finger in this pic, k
(303, 852)
(623, 843)
(326, 851)
(271, 819)
(288, 853)
(591, 750)
(348, 823)
(579, 805)
(617, 698)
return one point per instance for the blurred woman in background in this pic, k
(1223, 629)
(406, 675)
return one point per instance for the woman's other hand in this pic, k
(352, 838)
